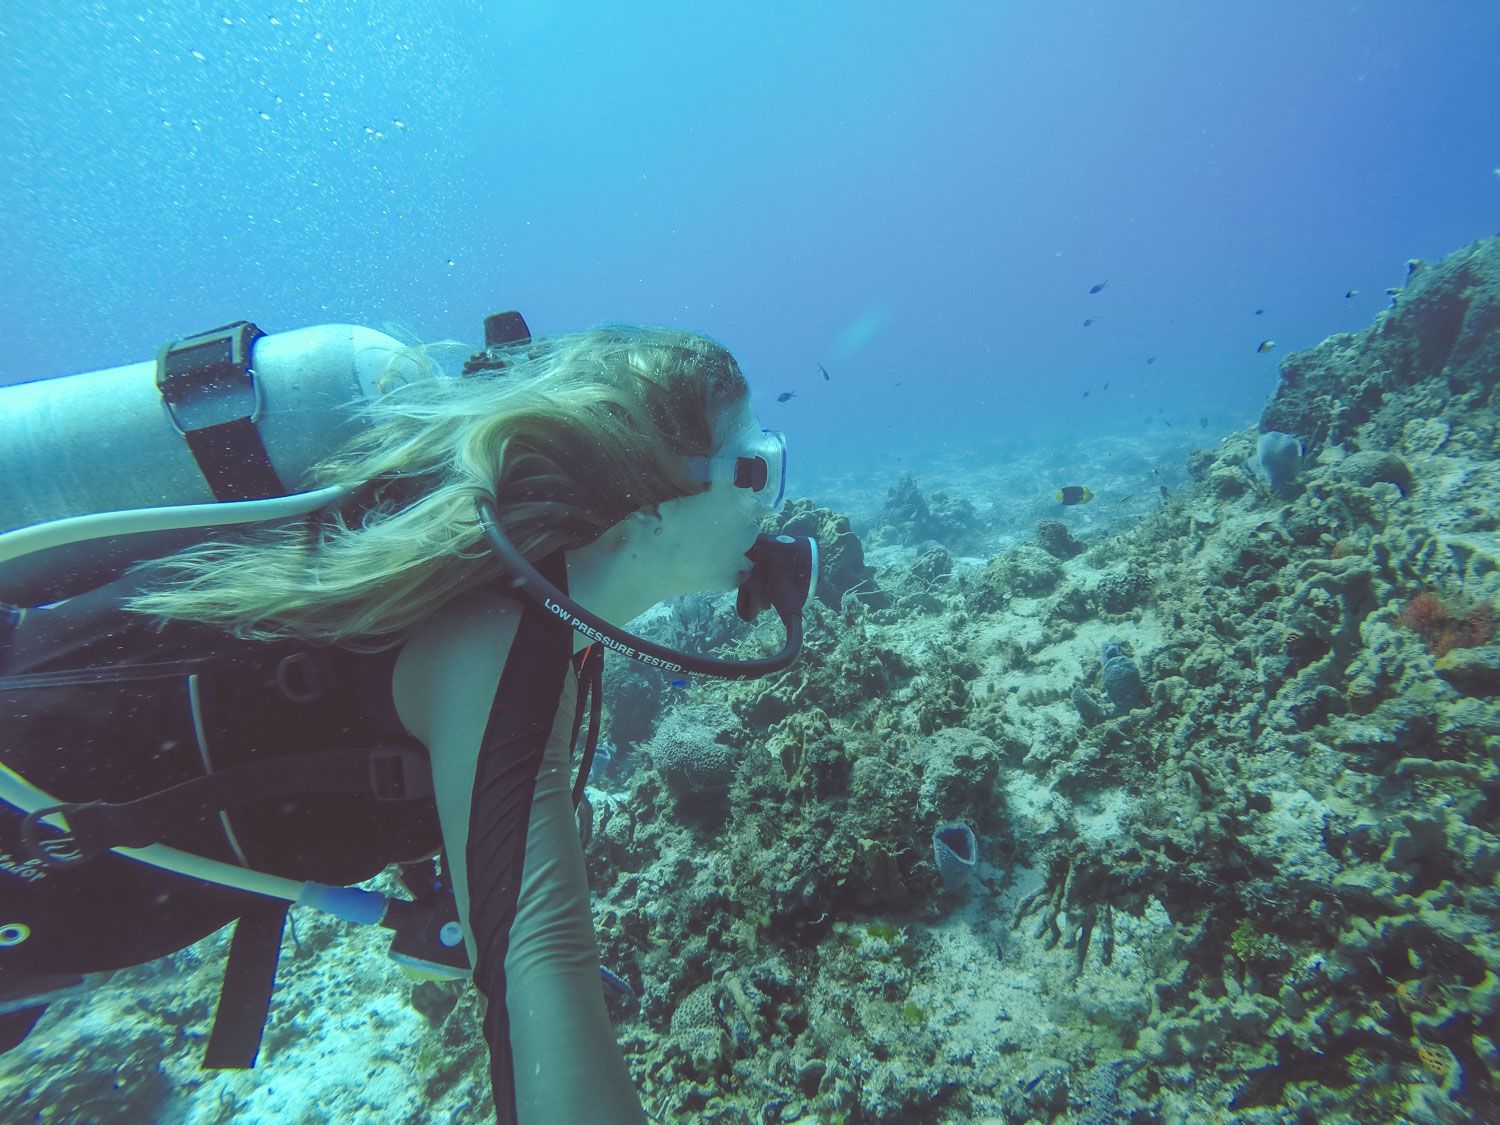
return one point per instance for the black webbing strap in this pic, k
(245, 997)
(215, 401)
(510, 757)
(388, 773)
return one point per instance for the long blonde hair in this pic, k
(573, 434)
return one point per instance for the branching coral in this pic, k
(1067, 912)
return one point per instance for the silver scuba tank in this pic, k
(220, 428)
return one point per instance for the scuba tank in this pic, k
(205, 434)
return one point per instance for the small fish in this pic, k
(1150, 359)
(1098, 287)
(1071, 494)
(1266, 345)
(678, 684)
(1127, 498)
(1166, 423)
(824, 370)
(1085, 394)
(1203, 421)
(1351, 293)
(1106, 385)
(1164, 492)
(1258, 312)
(616, 987)
(1391, 292)
(1087, 322)
(787, 396)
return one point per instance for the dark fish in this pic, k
(1106, 385)
(1266, 345)
(824, 370)
(786, 396)
(1087, 322)
(1393, 290)
(1203, 421)
(1150, 359)
(1127, 498)
(1164, 492)
(1351, 293)
(1085, 394)
(1166, 423)
(1098, 287)
(1070, 494)
(1259, 311)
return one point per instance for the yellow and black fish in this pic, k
(1070, 494)
(1266, 345)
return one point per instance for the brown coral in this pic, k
(1445, 627)
(1434, 1060)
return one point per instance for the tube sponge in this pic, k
(956, 852)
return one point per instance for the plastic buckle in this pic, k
(59, 851)
(399, 775)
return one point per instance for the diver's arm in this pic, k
(565, 1062)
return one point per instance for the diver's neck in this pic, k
(613, 585)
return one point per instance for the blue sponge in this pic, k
(1278, 460)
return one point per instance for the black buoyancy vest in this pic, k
(100, 704)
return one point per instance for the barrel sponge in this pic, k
(1277, 461)
(956, 852)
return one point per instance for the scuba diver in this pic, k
(395, 673)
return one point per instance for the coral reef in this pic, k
(1057, 540)
(841, 555)
(1232, 773)
(913, 519)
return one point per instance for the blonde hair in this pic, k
(571, 435)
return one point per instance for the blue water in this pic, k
(918, 200)
(1032, 244)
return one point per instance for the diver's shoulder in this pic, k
(457, 652)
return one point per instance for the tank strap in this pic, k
(214, 400)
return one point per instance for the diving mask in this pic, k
(754, 460)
